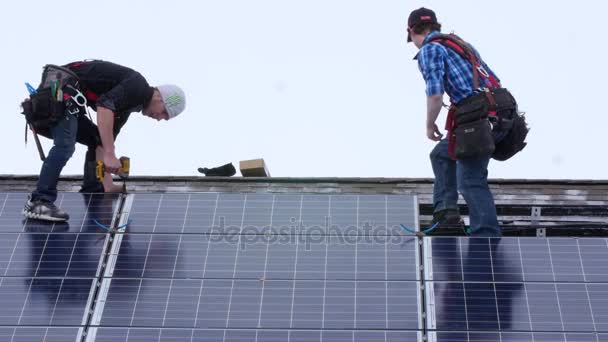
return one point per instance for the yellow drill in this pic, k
(123, 172)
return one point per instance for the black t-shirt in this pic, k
(112, 86)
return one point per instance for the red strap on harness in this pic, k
(465, 51)
(450, 124)
(90, 95)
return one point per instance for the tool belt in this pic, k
(42, 110)
(52, 97)
(473, 124)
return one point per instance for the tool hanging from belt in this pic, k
(32, 91)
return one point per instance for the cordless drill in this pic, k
(123, 172)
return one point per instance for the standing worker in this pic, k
(482, 115)
(57, 110)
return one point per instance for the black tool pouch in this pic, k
(42, 110)
(473, 130)
(474, 139)
(474, 108)
(514, 141)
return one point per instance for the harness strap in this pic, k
(463, 49)
(492, 101)
(89, 94)
(450, 124)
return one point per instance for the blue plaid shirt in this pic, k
(444, 70)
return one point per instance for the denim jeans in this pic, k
(90, 183)
(64, 143)
(470, 177)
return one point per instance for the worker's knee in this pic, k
(440, 151)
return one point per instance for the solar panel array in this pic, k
(48, 272)
(285, 267)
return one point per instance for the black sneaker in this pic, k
(43, 210)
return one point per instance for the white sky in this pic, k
(315, 87)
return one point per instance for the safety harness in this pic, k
(464, 50)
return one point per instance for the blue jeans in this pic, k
(64, 143)
(470, 177)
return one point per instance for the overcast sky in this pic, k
(315, 87)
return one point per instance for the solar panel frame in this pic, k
(251, 272)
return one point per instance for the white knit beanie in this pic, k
(174, 99)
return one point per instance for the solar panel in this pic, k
(519, 259)
(49, 271)
(254, 213)
(498, 289)
(259, 335)
(229, 303)
(273, 266)
(270, 257)
(487, 336)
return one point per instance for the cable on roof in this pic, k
(108, 228)
(426, 231)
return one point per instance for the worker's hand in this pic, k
(111, 163)
(433, 133)
(112, 188)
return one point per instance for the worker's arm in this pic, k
(105, 125)
(431, 61)
(107, 181)
(433, 107)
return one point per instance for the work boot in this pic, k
(447, 217)
(448, 222)
(42, 210)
